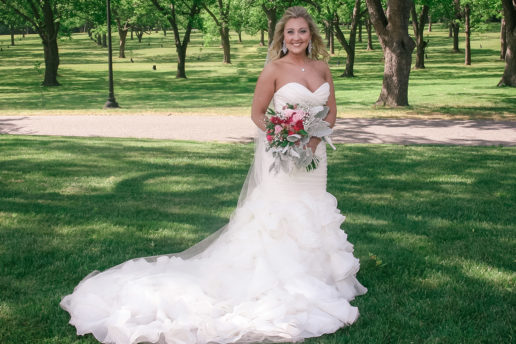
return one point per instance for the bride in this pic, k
(281, 270)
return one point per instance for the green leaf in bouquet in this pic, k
(293, 138)
(323, 113)
(320, 129)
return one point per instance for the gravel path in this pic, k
(241, 129)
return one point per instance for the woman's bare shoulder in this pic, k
(270, 70)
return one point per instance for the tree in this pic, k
(93, 15)
(255, 21)
(239, 16)
(509, 15)
(467, 31)
(503, 39)
(45, 16)
(455, 25)
(349, 46)
(123, 12)
(369, 33)
(392, 31)
(477, 14)
(273, 10)
(221, 19)
(418, 24)
(11, 20)
(185, 11)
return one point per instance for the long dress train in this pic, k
(281, 271)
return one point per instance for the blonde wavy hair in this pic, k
(318, 48)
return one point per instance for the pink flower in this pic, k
(278, 129)
(269, 138)
(298, 116)
(289, 112)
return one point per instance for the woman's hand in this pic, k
(312, 144)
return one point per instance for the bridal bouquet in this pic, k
(288, 132)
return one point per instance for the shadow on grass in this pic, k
(431, 225)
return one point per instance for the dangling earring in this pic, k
(310, 48)
(284, 48)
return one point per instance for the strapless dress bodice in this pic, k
(296, 93)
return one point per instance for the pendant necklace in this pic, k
(303, 67)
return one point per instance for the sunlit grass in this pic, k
(433, 227)
(446, 88)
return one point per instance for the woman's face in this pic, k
(297, 35)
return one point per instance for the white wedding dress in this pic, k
(282, 269)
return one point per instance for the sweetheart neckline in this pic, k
(300, 84)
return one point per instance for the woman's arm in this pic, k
(263, 94)
(332, 104)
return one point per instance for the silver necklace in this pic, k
(302, 67)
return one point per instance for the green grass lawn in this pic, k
(433, 227)
(445, 89)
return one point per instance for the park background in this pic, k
(432, 225)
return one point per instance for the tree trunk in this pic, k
(104, 40)
(222, 22)
(450, 30)
(455, 30)
(11, 31)
(132, 34)
(271, 22)
(332, 39)
(181, 62)
(509, 73)
(349, 47)
(429, 23)
(369, 35)
(360, 31)
(503, 39)
(467, 50)
(224, 34)
(164, 31)
(123, 35)
(327, 33)
(239, 32)
(456, 26)
(51, 53)
(419, 27)
(392, 31)
(99, 39)
(262, 37)
(139, 35)
(48, 34)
